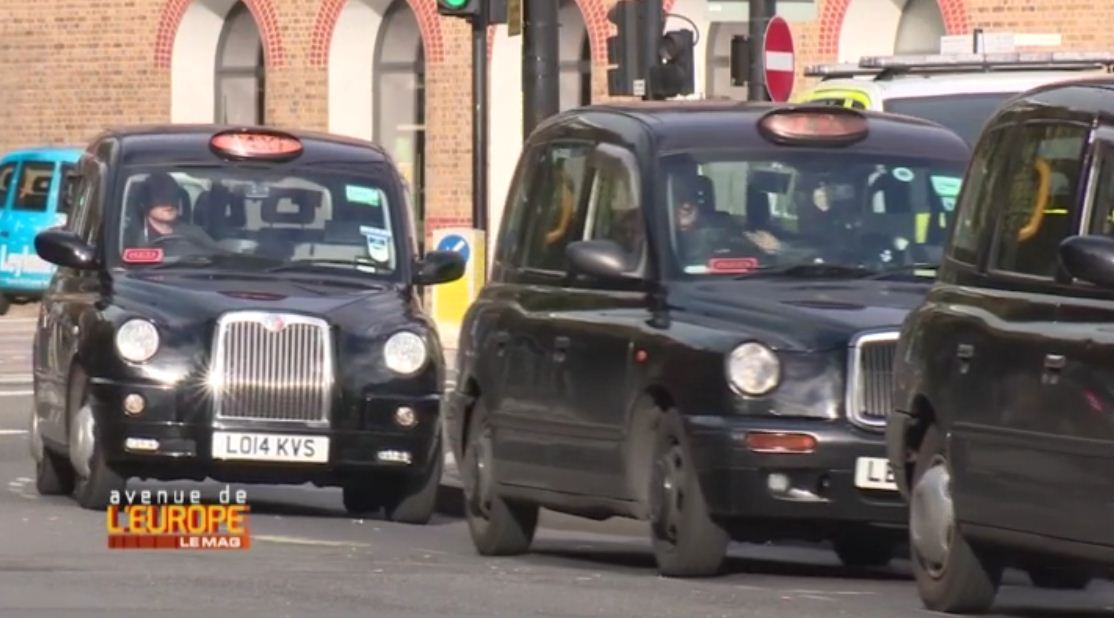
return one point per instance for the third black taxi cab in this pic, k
(691, 319)
(240, 304)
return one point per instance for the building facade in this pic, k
(395, 72)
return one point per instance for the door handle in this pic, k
(1054, 362)
(560, 349)
(501, 339)
(965, 351)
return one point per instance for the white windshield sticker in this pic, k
(363, 195)
(903, 174)
(378, 243)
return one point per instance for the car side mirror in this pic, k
(439, 267)
(1090, 258)
(64, 248)
(600, 258)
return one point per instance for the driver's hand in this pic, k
(765, 241)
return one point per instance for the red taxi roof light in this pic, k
(256, 144)
(814, 126)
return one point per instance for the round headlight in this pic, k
(753, 369)
(137, 340)
(405, 353)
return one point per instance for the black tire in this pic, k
(687, 541)
(416, 498)
(5, 304)
(1059, 579)
(53, 475)
(861, 551)
(964, 581)
(92, 492)
(361, 498)
(497, 527)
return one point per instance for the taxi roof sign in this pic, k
(258, 144)
(814, 124)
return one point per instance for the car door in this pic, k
(1079, 421)
(529, 427)
(1017, 455)
(601, 321)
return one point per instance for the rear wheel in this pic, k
(498, 527)
(951, 575)
(687, 542)
(94, 479)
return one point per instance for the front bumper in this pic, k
(822, 485)
(363, 438)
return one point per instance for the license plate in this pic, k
(270, 447)
(874, 473)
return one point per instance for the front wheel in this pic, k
(416, 498)
(53, 474)
(497, 527)
(1059, 579)
(94, 479)
(951, 575)
(687, 541)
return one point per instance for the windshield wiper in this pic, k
(809, 269)
(318, 262)
(920, 269)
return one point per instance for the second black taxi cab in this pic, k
(239, 304)
(691, 319)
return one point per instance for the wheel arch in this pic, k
(647, 410)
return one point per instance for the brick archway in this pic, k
(957, 20)
(429, 22)
(266, 19)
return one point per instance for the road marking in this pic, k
(16, 393)
(12, 432)
(16, 378)
(295, 540)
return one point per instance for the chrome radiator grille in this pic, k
(870, 378)
(272, 367)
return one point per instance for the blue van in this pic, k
(31, 200)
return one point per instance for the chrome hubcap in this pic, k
(36, 439)
(932, 518)
(671, 499)
(82, 441)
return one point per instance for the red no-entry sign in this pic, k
(779, 59)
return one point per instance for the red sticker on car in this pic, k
(733, 265)
(143, 255)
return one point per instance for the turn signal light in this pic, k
(770, 442)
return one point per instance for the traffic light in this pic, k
(624, 56)
(459, 8)
(675, 72)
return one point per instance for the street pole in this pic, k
(479, 120)
(651, 26)
(760, 13)
(539, 64)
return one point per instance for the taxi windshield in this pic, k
(736, 213)
(289, 219)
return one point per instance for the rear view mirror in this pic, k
(66, 249)
(1089, 258)
(600, 258)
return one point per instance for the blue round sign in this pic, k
(457, 243)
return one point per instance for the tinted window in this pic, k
(528, 175)
(66, 178)
(966, 114)
(613, 209)
(556, 209)
(1102, 221)
(34, 187)
(985, 169)
(7, 172)
(734, 212)
(1041, 195)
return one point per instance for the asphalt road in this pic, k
(310, 559)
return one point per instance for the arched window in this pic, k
(574, 54)
(239, 73)
(399, 90)
(920, 28)
(718, 74)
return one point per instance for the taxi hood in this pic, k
(796, 314)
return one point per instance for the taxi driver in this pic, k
(161, 216)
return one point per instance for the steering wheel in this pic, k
(169, 238)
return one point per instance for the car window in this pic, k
(981, 182)
(528, 176)
(7, 172)
(737, 212)
(33, 186)
(966, 114)
(1041, 197)
(557, 208)
(1102, 210)
(66, 179)
(614, 211)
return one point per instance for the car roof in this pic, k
(43, 153)
(929, 84)
(189, 143)
(684, 125)
(1093, 96)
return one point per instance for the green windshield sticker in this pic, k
(903, 174)
(946, 186)
(363, 195)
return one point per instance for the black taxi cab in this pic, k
(691, 318)
(240, 304)
(1002, 435)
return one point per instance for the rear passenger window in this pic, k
(7, 173)
(975, 201)
(556, 213)
(34, 187)
(1041, 193)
